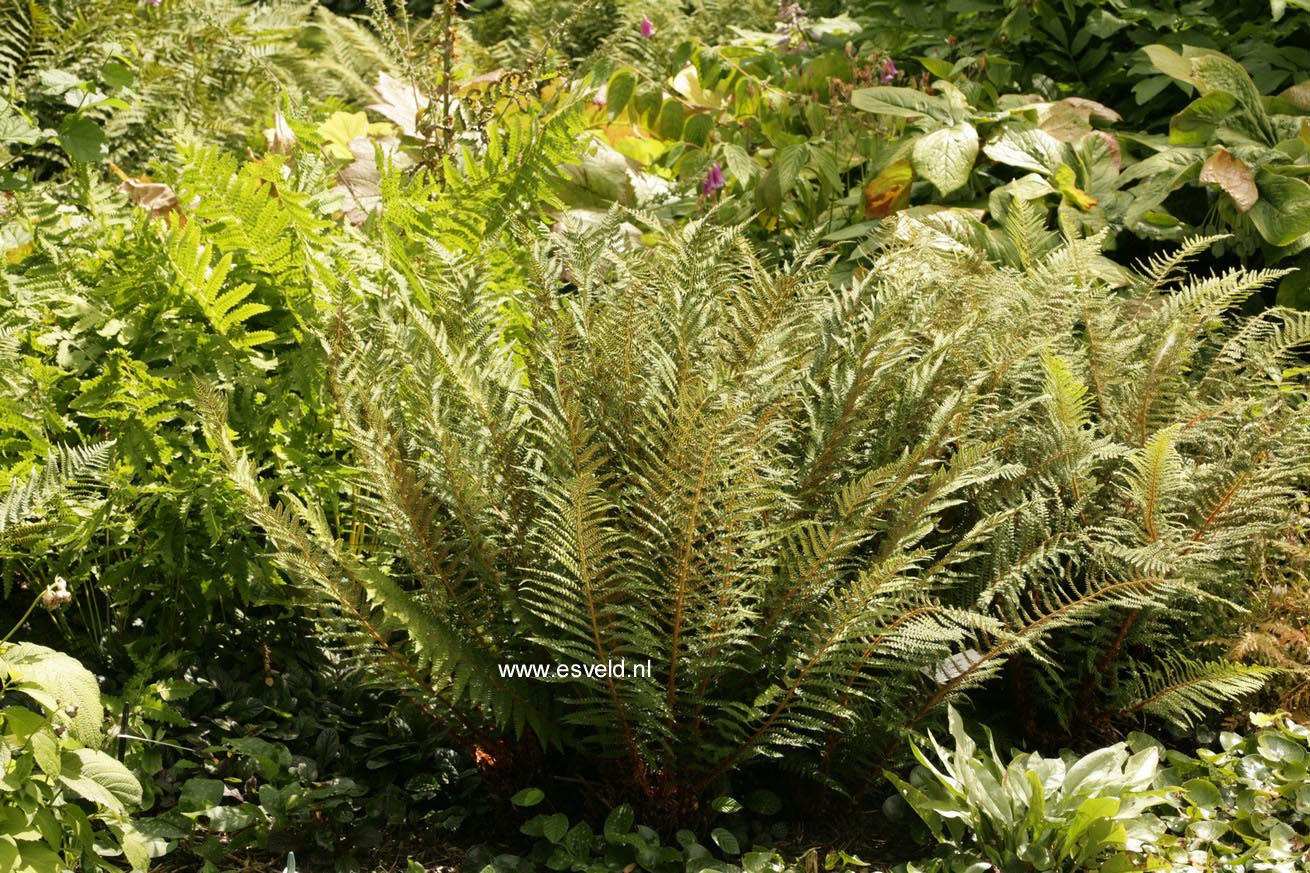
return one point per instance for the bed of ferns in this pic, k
(355, 359)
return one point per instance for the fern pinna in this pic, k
(820, 513)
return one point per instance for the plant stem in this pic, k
(15, 628)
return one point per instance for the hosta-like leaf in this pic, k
(1282, 214)
(945, 157)
(1028, 149)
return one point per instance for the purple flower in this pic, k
(713, 181)
(889, 71)
(647, 29)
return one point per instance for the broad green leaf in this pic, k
(528, 797)
(1037, 800)
(902, 102)
(1093, 771)
(1103, 24)
(136, 848)
(554, 827)
(724, 839)
(1218, 73)
(36, 857)
(618, 822)
(1298, 96)
(1089, 814)
(1169, 62)
(1203, 793)
(1196, 124)
(228, 819)
(577, 842)
(945, 157)
(83, 139)
(1294, 290)
(619, 91)
(1278, 748)
(1028, 149)
(726, 805)
(198, 796)
(1282, 214)
(15, 128)
(45, 748)
(779, 179)
(697, 129)
(1233, 176)
(100, 779)
(60, 684)
(669, 123)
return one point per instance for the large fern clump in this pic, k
(819, 514)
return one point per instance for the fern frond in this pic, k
(1184, 692)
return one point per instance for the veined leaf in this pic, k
(99, 778)
(1282, 214)
(60, 684)
(902, 102)
(1028, 149)
(945, 157)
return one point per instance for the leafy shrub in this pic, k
(1087, 47)
(819, 515)
(283, 752)
(64, 801)
(114, 312)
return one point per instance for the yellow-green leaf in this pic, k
(342, 127)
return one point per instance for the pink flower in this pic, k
(647, 29)
(889, 71)
(713, 181)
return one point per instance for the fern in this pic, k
(819, 513)
(68, 472)
(1184, 692)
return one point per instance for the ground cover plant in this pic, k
(843, 374)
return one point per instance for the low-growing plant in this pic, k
(1135, 805)
(1242, 807)
(622, 845)
(1033, 813)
